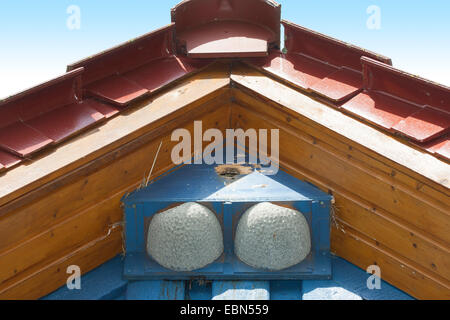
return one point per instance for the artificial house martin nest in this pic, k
(272, 237)
(185, 238)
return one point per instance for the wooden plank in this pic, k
(362, 252)
(400, 177)
(198, 290)
(366, 163)
(155, 290)
(27, 222)
(303, 174)
(51, 277)
(126, 172)
(286, 290)
(192, 92)
(380, 225)
(383, 229)
(241, 290)
(61, 239)
(338, 171)
(382, 144)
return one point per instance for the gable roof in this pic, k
(61, 205)
(353, 80)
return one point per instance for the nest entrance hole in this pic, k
(232, 171)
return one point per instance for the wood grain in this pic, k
(325, 161)
(417, 161)
(48, 278)
(414, 226)
(362, 252)
(25, 221)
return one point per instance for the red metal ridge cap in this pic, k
(42, 115)
(402, 103)
(319, 64)
(226, 28)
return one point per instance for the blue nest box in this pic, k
(228, 196)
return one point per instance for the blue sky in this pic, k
(36, 43)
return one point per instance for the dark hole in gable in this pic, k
(232, 171)
(229, 173)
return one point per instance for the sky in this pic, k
(39, 38)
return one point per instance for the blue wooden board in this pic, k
(229, 200)
(286, 290)
(139, 266)
(105, 282)
(155, 290)
(241, 290)
(198, 290)
(201, 182)
(349, 283)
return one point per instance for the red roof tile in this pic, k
(8, 160)
(135, 69)
(382, 110)
(107, 111)
(44, 115)
(41, 99)
(297, 69)
(339, 85)
(408, 105)
(425, 124)
(67, 120)
(54, 111)
(22, 140)
(117, 90)
(318, 63)
(128, 56)
(158, 73)
(440, 147)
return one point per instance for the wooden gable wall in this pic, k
(66, 208)
(385, 214)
